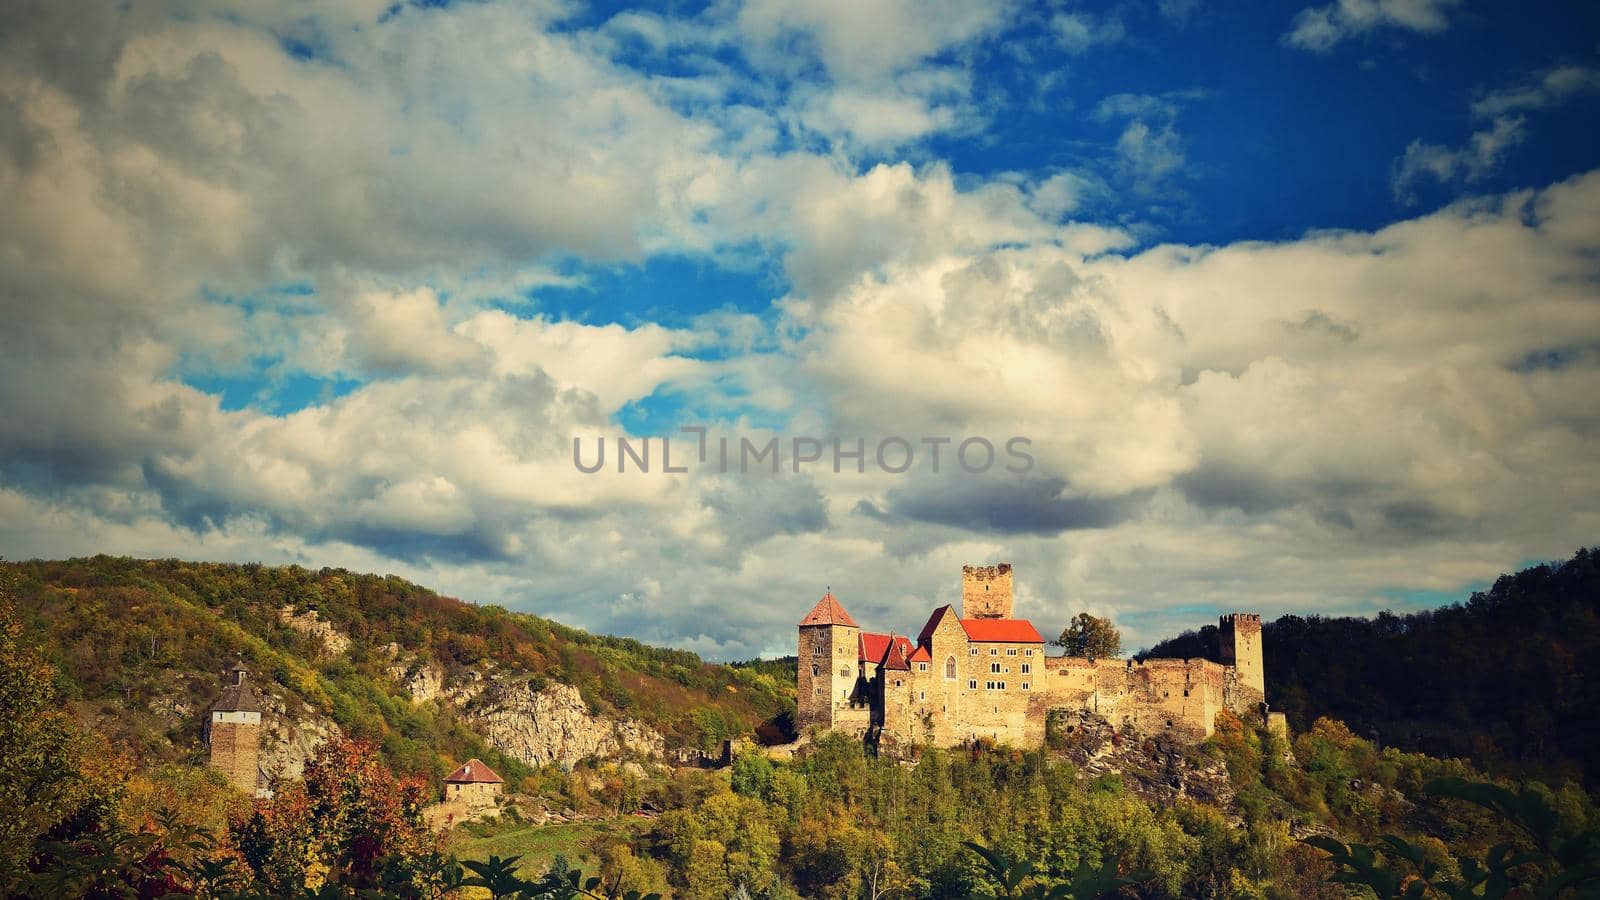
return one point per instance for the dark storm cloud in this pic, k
(1005, 505)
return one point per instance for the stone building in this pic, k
(982, 673)
(233, 731)
(473, 783)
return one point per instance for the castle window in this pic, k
(994, 651)
(950, 667)
(1029, 652)
(1027, 668)
(1026, 686)
(972, 651)
(816, 671)
(922, 667)
(994, 667)
(922, 695)
(819, 692)
(1011, 651)
(972, 684)
(897, 682)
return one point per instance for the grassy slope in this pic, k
(539, 845)
(130, 637)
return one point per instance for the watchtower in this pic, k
(986, 591)
(233, 730)
(829, 644)
(1240, 637)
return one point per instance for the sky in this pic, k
(1295, 306)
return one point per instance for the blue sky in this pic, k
(1296, 302)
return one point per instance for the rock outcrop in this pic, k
(552, 725)
(287, 741)
(422, 681)
(334, 642)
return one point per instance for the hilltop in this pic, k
(1509, 678)
(139, 646)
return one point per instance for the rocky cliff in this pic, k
(553, 725)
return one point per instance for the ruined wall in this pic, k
(1160, 696)
(986, 591)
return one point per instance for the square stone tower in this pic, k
(233, 731)
(1240, 638)
(986, 591)
(829, 644)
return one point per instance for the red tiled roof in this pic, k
(898, 651)
(933, 622)
(828, 611)
(473, 771)
(920, 654)
(1010, 631)
(875, 648)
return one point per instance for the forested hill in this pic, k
(1509, 678)
(140, 644)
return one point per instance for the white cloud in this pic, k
(1554, 87)
(1504, 110)
(185, 197)
(1321, 28)
(1482, 155)
(1078, 32)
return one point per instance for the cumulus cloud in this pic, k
(374, 205)
(1321, 28)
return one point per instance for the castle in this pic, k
(983, 674)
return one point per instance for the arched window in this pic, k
(816, 671)
(950, 667)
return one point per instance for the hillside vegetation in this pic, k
(1510, 678)
(139, 646)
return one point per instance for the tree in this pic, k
(1091, 637)
(345, 821)
(43, 783)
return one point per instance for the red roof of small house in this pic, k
(1009, 631)
(933, 622)
(473, 771)
(828, 611)
(920, 654)
(875, 648)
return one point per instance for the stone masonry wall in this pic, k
(235, 751)
(986, 591)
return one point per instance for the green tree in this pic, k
(1091, 637)
(41, 782)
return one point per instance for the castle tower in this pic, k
(986, 592)
(1240, 638)
(829, 643)
(233, 731)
